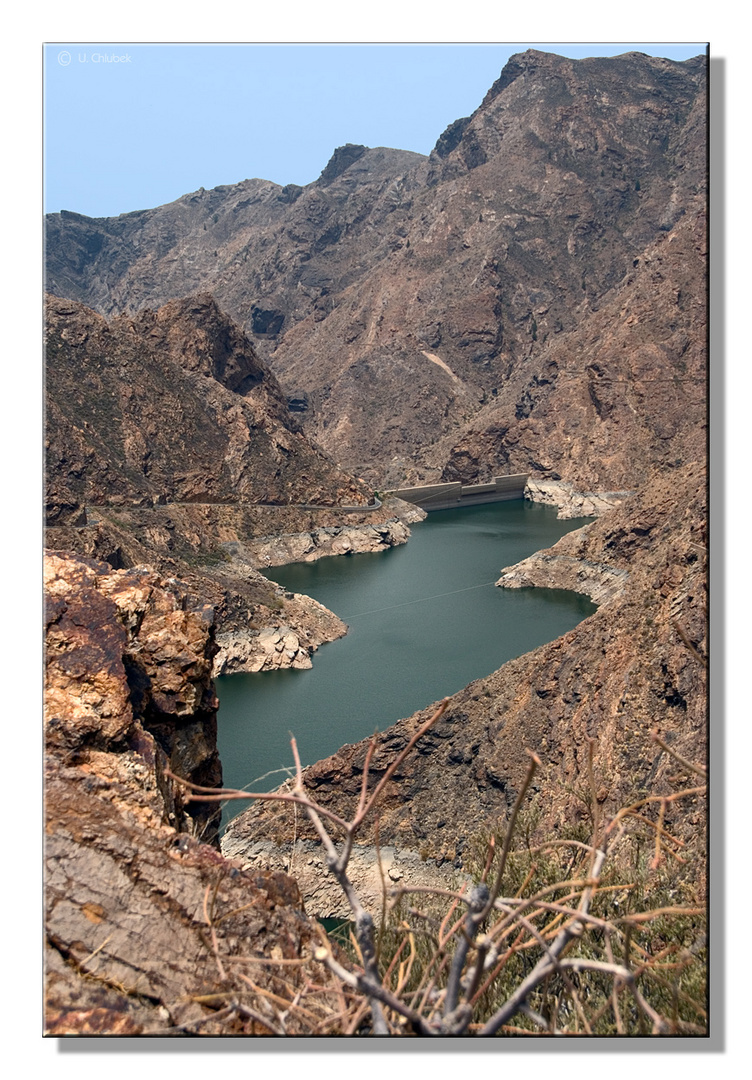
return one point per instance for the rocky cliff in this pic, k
(511, 301)
(146, 924)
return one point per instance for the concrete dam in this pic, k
(454, 496)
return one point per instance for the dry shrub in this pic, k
(598, 934)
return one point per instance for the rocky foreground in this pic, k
(138, 898)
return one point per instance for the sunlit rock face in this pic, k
(127, 866)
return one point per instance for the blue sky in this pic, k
(162, 120)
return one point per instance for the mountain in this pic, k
(169, 444)
(171, 405)
(429, 313)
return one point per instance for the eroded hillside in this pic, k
(417, 307)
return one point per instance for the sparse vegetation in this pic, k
(597, 932)
(205, 557)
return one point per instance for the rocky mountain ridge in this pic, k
(416, 306)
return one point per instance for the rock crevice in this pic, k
(127, 874)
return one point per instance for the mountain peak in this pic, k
(342, 158)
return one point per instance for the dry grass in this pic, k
(593, 935)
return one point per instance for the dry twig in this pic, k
(439, 994)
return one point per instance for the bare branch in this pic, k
(230, 794)
(544, 966)
(494, 892)
(477, 906)
(685, 638)
(364, 785)
(209, 923)
(689, 765)
(374, 990)
(626, 811)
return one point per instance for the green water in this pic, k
(425, 619)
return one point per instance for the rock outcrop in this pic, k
(141, 915)
(334, 540)
(571, 503)
(127, 650)
(245, 602)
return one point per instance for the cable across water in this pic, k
(420, 600)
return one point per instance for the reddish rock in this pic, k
(136, 904)
(127, 654)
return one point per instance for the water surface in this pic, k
(425, 619)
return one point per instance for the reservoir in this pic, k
(425, 619)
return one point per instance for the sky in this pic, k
(128, 127)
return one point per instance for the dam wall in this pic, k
(453, 496)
